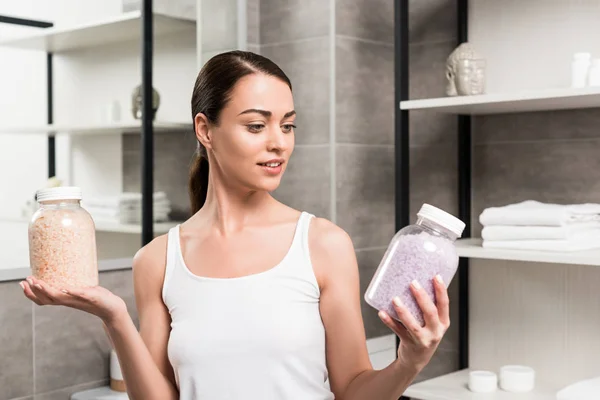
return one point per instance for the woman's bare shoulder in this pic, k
(325, 234)
(331, 250)
(149, 263)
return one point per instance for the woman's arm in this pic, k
(145, 365)
(350, 371)
(143, 355)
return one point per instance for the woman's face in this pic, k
(255, 137)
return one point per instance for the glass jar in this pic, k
(62, 240)
(416, 252)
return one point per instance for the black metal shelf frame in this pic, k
(49, 94)
(402, 150)
(147, 134)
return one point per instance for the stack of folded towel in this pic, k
(532, 225)
(126, 208)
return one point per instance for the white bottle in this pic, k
(579, 69)
(594, 74)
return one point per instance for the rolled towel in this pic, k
(584, 241)
(535, 213)
(126, 198)
(502, 232)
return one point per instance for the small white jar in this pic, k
(594, 73)
(579, 69)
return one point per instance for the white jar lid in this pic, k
(59, 193)
(442, 218)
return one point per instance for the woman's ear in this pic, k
(202, 128)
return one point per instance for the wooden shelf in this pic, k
(471, 248)
(542, 100)
(107, 129)
(454, 387)
(120, 28)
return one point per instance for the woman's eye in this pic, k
(255, 128)
(288, 128)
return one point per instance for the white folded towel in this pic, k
(502, 232)
(577, 242)
(125, 198)
(588, 389)
(535, 213)
(110, 212)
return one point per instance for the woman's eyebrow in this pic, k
(265, 113)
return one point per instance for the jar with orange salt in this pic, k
(62, 240)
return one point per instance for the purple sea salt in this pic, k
(412, 256)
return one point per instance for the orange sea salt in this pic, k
(62, 240)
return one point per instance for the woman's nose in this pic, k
(277, 140)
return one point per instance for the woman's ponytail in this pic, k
(198, 182)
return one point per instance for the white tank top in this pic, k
(257, 337)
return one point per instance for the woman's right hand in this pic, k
(95, 300)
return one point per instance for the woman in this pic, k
(250, 298)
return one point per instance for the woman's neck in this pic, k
(229, 209)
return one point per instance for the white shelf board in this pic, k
(454, 387)
(98, 129)
(471, 248)
(103, 393)
(497, 103)
(112, 264)
(120, 28)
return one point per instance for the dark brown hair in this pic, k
(212, 91)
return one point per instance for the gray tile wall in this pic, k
(364, 135)
(54, 352)
(294, 34)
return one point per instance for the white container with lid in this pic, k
(482, 381)
(62, 240)
(594, 73)
(579, 69)
(517, 378)
(416, 252)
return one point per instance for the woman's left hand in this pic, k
(418, 343)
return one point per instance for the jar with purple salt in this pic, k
(416, 252)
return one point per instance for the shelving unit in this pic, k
(136, 25)
(453, 386)
(108, 129)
